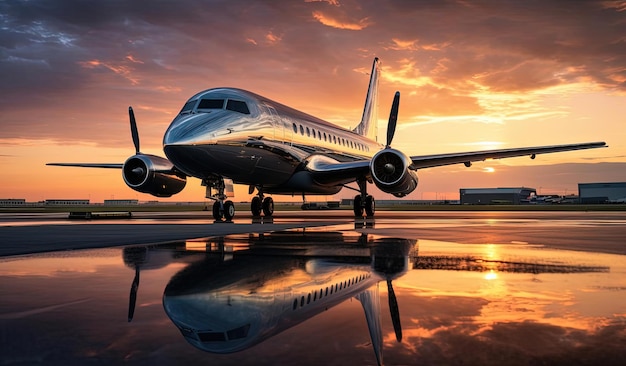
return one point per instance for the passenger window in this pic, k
(237, 106)
(301, 130)
(308, 132)
(319, 135)
(295, 128)
(211, 104)
(325, 136)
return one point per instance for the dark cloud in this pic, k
(70, 53)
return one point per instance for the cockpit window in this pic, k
(206, 103)
(211, 104)
(237, 106)
(188, 107)
(238, 333)
(231, 335)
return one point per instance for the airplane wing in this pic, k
(327, 171)
(430, 161)
(89, 165)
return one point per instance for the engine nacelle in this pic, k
(152, 174)
(391, 174)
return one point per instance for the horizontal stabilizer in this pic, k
(89, 165)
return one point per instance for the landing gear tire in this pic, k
(256, 206)
(217, 212)
(358, 207)
(370, 206)
(268, 206)
(229, 210)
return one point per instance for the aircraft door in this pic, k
(279, 130)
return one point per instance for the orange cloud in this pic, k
(336, 23)
(331, 2)
(133, 59)
(271, 38)
(122, 70)
(412, 45)
(618, 5)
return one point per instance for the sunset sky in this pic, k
(473, 75)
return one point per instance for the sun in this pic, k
(488, 169)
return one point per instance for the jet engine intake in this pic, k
(391, 174)
(152, 174)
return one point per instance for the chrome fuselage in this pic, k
(239, 135)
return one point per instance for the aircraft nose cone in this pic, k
(188, 130)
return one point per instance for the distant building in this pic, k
(130, 202)
(12, 202)
(59, 202)
(495, 196)
(602, 192)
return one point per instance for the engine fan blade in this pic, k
(133, 129)
(393, 118)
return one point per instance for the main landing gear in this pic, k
(260, 204)
(363, 201)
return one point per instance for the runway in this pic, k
(592, 231)
(310, 288)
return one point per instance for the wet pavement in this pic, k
(405, 289)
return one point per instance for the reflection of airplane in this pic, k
(240, 290)
(231, 306)
(227, 135)
(148, 258)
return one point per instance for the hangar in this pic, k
(494, 196)
(602, 192)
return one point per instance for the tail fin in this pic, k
(369, 122)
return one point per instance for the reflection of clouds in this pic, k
(542, 317)
(441, 337)
(50, 265)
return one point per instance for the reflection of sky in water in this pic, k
(72, 307)
(533, 314)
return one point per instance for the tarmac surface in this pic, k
(311, 288)
(592, 231)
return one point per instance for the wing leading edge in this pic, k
(430, 161)
(326, 171)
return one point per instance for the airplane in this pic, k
(227, 135)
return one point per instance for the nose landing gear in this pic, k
(223, 210)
